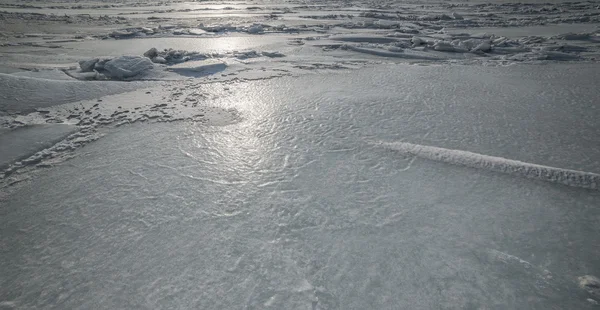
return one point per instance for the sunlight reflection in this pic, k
(241, 153)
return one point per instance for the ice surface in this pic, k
(250, 173)
(292, 207)
(25, 94)
(25, 141)
(199, 68)
(49, 74)
(127, 67)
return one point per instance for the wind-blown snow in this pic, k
(498, 164)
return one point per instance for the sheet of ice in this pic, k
(198, 68)
(292, 208)
(211, 191)
(25, 94)
(23, 142)
(49, 74)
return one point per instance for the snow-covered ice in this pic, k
(299, 155)
(468, 159)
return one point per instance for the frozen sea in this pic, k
(372, 161)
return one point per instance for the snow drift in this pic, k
(498, 164)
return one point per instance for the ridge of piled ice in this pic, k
(569, 177)
(126, 67)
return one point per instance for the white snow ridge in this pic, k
(568, 177)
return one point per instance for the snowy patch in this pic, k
(591, 284)
(498, 164)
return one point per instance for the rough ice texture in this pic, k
(498, 164)
(574, 36)
(384, 53)
(127, 67)
(88, 65)
(151, 53)
(274, 54)
(23, 142)
(591, 284)
(255, 29)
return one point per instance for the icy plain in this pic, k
(299, 155)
